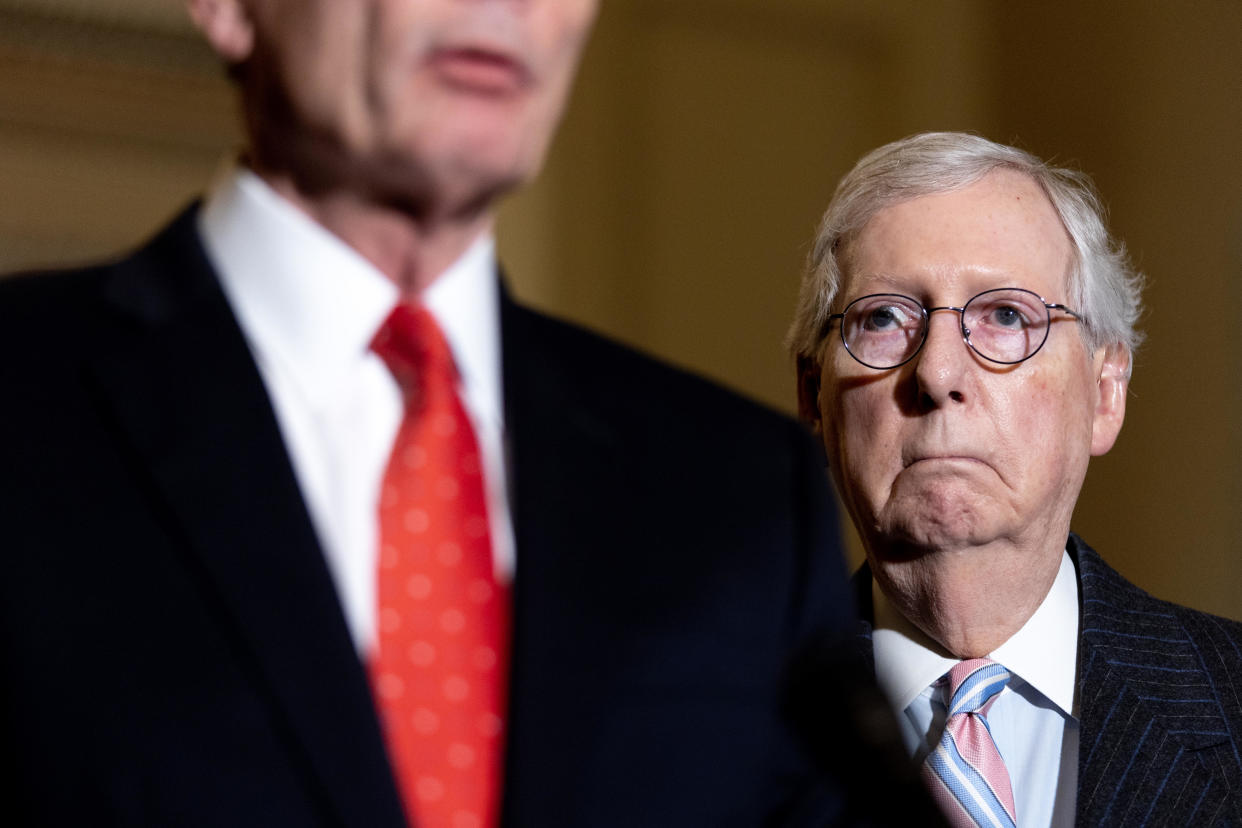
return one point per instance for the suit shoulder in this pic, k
(69, 304)
(1156, 682)
(1204, 627)
(23, 293)
(1107, 592)
(1225, 632)
(604, 368)
(43, 314)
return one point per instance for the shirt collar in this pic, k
(311, 302)
(465, 300)
(1044, 652)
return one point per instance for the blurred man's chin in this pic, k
(459, 167)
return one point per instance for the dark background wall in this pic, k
(703, 142)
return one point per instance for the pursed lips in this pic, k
(941, 457)
(480, 67)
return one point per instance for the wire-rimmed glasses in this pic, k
(1003, 325)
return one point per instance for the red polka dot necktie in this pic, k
(439, 668)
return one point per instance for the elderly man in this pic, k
(964, 340)
(306, 522)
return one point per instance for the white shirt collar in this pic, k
(1044, 652)
(312, 302)
(465, 301)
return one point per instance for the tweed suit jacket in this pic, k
(1160, 717)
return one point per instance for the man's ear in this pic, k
(808, 392)
(227, 26)
(1110, 405)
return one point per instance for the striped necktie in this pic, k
(965, 772)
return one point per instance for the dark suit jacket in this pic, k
(173, 649)
(1158, 691)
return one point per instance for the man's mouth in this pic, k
(942, 458)
(480, 70)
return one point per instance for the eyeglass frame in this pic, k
(927, 312)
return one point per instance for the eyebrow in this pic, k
(880, 283)
(890, 283)
(893, 283)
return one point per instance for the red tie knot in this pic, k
(412, 345)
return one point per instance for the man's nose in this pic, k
(941, 366)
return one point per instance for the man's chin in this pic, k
(911, 537)
(464, 183)
(447, 191)
(487, 145)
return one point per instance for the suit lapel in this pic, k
(560, 459)
(1154, 746)
(179, 381)
(860, 587)
(1153, 743)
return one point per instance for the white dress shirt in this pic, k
(309, 305)
(1033, 720)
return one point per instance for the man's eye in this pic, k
(1006, 316)
(885, 318)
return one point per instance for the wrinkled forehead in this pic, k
(1000, 231)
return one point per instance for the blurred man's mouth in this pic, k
(480, 70)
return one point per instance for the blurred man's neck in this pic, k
(411, 250)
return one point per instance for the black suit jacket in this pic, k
(1158, 692)
(173, 647)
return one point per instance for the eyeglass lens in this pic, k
(1006, 325)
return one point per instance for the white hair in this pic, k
(1103, 287)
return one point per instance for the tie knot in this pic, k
(974, 683)
(412, 345)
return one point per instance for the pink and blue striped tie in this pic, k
(965, 772)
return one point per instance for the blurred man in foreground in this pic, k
(964, 340)
(306, 522)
